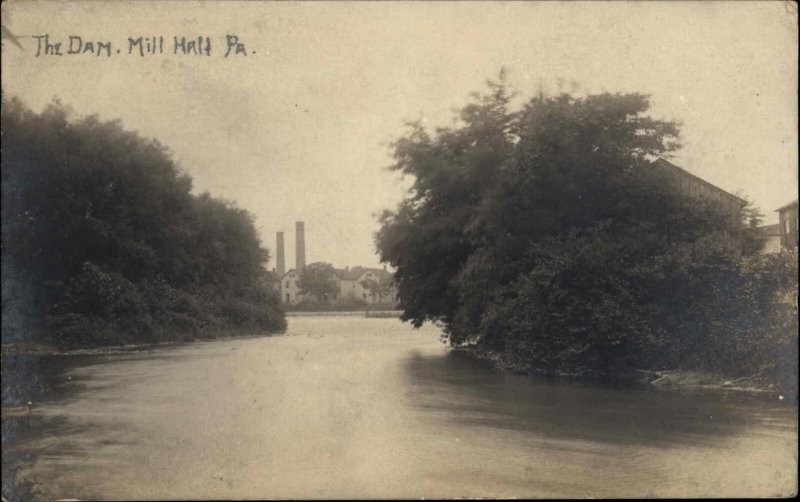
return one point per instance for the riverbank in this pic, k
(44, 349)
(41, 349)
(661, 380)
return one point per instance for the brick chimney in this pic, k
(279, 257)
(300, 249)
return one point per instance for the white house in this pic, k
(289, 286)
(352, 284)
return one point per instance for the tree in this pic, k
(753, 239)
(383, 289)
(319, 281)
(106, 244)
(426, 239)
(543, 233)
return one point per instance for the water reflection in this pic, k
(459, 389)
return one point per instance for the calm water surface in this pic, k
(346, 407)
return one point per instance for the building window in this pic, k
(787, 225)
(364, 295)
(288, 298)
(287, 284)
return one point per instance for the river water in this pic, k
(345, 407)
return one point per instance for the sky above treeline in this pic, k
(300, 128)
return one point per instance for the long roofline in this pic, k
(701, 180)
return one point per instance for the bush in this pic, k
(747, 314)
(75, 330)
(563, 316)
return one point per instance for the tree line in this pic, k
(104, 243)
(542, 235)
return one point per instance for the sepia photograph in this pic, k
(292, 250)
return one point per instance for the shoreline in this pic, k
(42, 349)
(11, 349)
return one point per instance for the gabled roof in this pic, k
(664, 163)
(787, 206)
(288, 272)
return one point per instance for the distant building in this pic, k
(354, 283)
(697, 188)
(788, 225)
(289, 286)
(693, 187)
(372, 285)
(772, 238)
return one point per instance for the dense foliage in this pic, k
(545, 235)
(383, 291)
(318, 280)
(104, 243)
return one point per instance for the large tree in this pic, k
(319, 280)
(383, 290)
(103, 241)
(543, 233)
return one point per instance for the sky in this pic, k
(300, 128)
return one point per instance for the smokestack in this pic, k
(300, 242)
(279, 260)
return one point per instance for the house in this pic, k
(355, 283)
(697, 188)
(788, 225)
(289, 287)
(690, 186)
